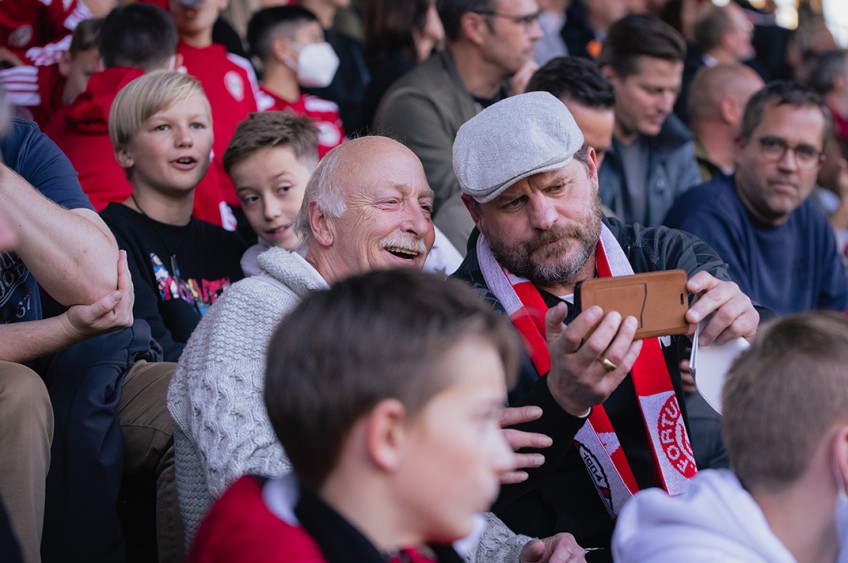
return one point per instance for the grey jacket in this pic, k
(672, 169)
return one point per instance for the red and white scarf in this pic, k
(597, 442)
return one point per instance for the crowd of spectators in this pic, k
(217, 342)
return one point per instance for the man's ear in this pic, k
(592, 164)
(609, 73)
(474, 27)
(472, 207)
(321, 225)
(385, 433)
(731, 110)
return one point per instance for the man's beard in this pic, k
(530, 260)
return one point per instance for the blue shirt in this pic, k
(788, 268)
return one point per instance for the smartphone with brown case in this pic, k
(658, 300)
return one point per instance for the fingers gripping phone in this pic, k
(658, 300)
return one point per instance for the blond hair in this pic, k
(783, 394)
(145, 96)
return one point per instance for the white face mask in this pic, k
(316, 66)
(841, 515)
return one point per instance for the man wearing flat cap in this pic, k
(531, 186)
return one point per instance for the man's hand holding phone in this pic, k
(579, 378)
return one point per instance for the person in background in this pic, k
(489, 55)
(717, 102)
(652, 157)
(761, 220)
(551, 19)
(588, 95)
(229, 83)
(290, 43)
(348, 86)
(398, 36)
(39, 91)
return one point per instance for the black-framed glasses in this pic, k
(775, 148)
(526, 21)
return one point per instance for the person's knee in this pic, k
(143, 413)
(23, 395)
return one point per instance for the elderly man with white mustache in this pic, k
(357, 215)
(367, 206)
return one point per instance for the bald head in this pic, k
(367, 206)
(720, 93)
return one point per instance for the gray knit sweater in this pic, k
(221, 428)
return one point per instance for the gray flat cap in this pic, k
(511, 140)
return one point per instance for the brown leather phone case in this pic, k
(658, 300)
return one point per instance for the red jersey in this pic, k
(82, 132)
(324, 112)
(230, 85)
(28, 27)
(239, 527)
(36, 89)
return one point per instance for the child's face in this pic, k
(456, 450)
(270, 184)
(170, 153)
(77, 69)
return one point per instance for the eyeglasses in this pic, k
(527, 21)
(775, 148)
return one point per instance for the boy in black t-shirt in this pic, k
(161, 129)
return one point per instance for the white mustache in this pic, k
(411, 244)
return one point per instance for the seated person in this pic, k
(531, 186)
(290, 42)
(786, 430)
(394, 438)
(60, 246)
(778, 244)
(217, 388)
(161, 129)
(269, 160)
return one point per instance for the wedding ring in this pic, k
(608, 365)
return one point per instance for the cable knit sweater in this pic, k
(221, 428)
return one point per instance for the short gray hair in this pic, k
(323, 188)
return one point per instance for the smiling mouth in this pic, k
(403, 253)
(185, 160)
